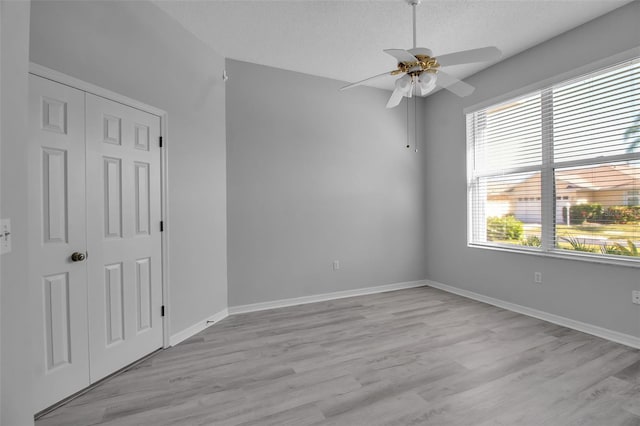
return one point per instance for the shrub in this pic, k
(579, 245)
(503, 228)
(607, 249)
(585, 212)
(531, 241)
(620, 250)
(621, 214)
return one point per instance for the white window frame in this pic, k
(547, 169)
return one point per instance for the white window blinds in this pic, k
(559, 169)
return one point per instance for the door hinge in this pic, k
(160, 141)
(162, 311)
(162, 226)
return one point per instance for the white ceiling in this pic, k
(344, 39)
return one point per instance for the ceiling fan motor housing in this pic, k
(423, 63)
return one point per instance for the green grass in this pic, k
(614, 232)
(610, 232)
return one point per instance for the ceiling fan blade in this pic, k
(395, 98)
(483, 54)
(358, 83)
(401, 55)
(454, 85)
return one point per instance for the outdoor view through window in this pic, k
(559, 169)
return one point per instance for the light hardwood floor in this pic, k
(408, 357)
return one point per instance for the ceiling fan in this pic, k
(421, 71)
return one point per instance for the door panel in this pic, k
(114, 311)
(58, 286)
(123, 202)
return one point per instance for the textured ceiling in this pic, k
(344, 39)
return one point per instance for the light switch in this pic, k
(5, 235)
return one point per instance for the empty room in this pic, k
(341, 212)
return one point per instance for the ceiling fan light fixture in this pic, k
(403, 88)
(409, 93)
(426, 82)
(403, 84)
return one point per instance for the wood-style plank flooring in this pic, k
(409, 357)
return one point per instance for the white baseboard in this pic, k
(605, 333)
(254, 307)
(197, 327)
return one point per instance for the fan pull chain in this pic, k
(415, 123)
(408, 128)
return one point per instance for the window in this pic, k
(558, 170)
(632, 198)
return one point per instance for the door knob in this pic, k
(78, 257)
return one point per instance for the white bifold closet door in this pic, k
(94, 237)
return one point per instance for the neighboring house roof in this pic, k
(602, 178)
(597, 178)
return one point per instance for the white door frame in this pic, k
(67, 80)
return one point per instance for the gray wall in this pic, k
(135, 49)
(593, 293)
(15, 369)
(316, 175)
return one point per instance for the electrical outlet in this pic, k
(635, 296)
(336, 265)
(537, 277)
(5, 236)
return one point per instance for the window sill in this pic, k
(631, 262)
